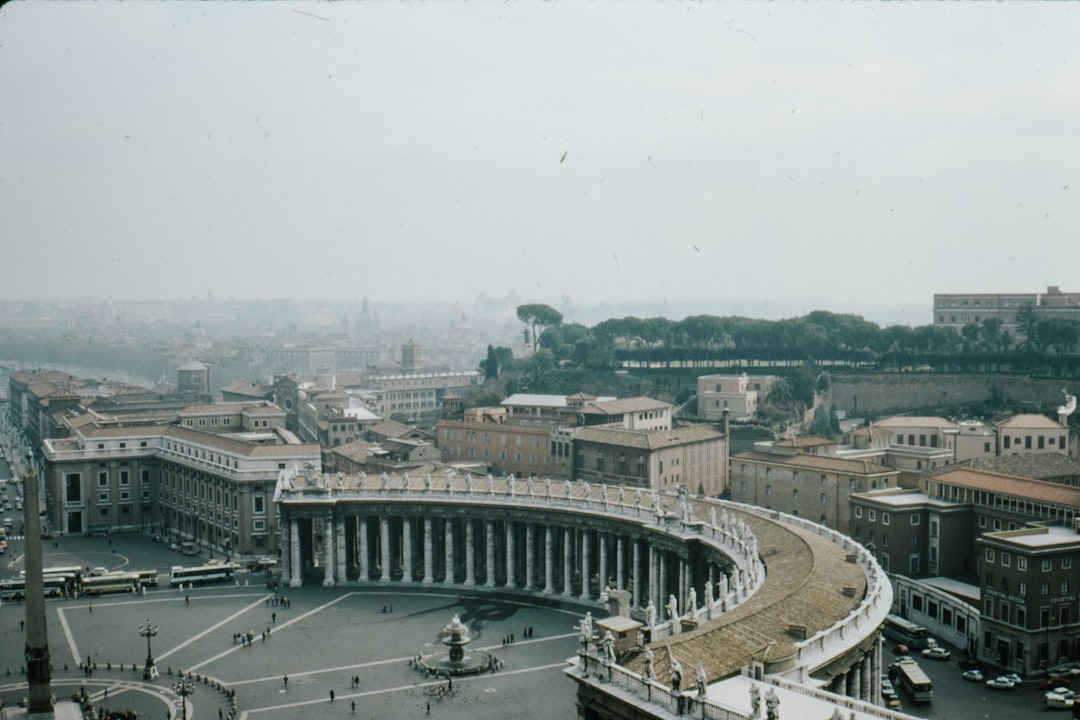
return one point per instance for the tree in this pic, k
(1058, 334)
(490, 366)
(537, 318)
(1028, 326)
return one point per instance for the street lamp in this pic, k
(148, 631)
(183, 687)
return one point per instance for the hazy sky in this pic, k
(612, 151)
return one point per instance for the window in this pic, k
(858, 511)
(768, 489)
(124, 478)
(259, 504)
(73, 487)
(982, 521)
(1066, 563)
(1047, 565)
(1021, 563)
(884, 518)
(103, 479)
(913, 563)
(1064, 587)
(1006, 559)
(915, 519)
(258, 525)
(989, 555)
(871, 515)
(1022, 590)
(144, 477)
(795, 494)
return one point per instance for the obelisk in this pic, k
(37, 633)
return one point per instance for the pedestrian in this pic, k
(22, 624)
(273, 617)
(219, 714)
(286, 681)
(428, 709)
(331, 696)
(91, 608)
(353, 706)
(187, 599)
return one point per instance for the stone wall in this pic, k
(858, 394)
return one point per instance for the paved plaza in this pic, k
(320, 638)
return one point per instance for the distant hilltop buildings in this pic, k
(955, 310)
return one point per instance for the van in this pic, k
(189, 548)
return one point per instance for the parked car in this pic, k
(973, 675)
(936, 653)
(1060, 698)
(901, 649)
(1000, 683)
(1014, 678)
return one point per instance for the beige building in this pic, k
(957, 310)
(739, 395)
(1024, 434)
(815, 487)
(692, 455)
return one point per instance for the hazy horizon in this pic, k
(808, 155)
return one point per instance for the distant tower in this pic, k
(193, 378)
(410, 355)
(37, 634)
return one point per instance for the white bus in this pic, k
(914, 680)
(147, 577)
(904, 631)
(111, 583)
(15, 588)
(222, 572)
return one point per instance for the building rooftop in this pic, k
(916, 421)
(1037, 537)
(818, 462)
(651, 439)
(1010, 485)
(1029, 421)
(1040, 466)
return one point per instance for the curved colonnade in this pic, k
(728, 584)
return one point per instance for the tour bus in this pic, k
(147, 577)
(222, 572)
(904, 631)
(15, 588)
(111, 583)
(914, 680)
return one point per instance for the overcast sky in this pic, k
(612, 151)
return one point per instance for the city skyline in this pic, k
(817, 156)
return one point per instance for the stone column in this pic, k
(339, 535)
(603, 574)
(328, 552)
(684, 589)
(867, 687)
(654, 577)
(384, 542)
(841, 684)
(509, 555)
(620, 562)
(296, 579)
(568, 568)
(361, 528)
(489, 531)
(662, 561)
(470, 553)
(875, 671)
(636, 548)
(286, 550)
(428, 575)
(586, 564)
(530, 561)
(406, 550)
(549, 560)
(448, 535)
(855, 681)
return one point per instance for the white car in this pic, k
(936, 653)
(973, 675)
(1060, 698)
(1000, 683)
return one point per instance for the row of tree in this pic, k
(816, 337)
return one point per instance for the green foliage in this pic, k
(537, 317)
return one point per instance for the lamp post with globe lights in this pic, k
(148, 631)
(183, 687)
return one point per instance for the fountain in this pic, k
(458, 660)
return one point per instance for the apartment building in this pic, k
(955, 310)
